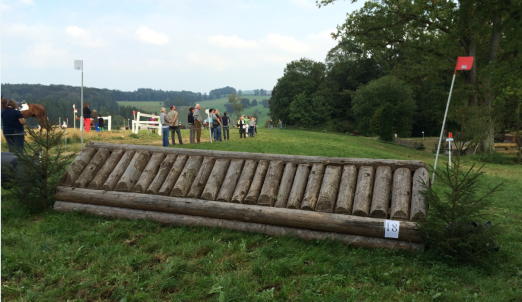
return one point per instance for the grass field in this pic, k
(77, 257)
(217, 103)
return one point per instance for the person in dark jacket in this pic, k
(225, 121)
(13, 130)
(242, 130)
(101, 123)
(87, 117)
(192, 128)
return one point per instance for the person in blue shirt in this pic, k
(13, 122)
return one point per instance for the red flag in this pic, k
(464, 63)
(451, 135)
(134, 111)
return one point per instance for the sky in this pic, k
(195, 45)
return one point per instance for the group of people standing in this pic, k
(247, 123)
(280, 124)
(169, 122)
(216, 123)
(92, 116)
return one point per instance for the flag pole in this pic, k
(442, 130)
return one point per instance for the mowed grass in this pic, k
(78, 257)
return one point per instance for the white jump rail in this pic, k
(136, 124)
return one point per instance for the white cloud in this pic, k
(83, 37)
(150, 36)
(232, 42)
(304, 4)
(194, 57)
(26, 2)
(289, 44)
(45, 55)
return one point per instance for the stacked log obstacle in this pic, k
(345, 199)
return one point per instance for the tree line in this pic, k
(393, 66)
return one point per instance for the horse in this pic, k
(35, 110)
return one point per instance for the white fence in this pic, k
(137, 124)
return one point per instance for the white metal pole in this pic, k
(81, 108)
(449, 147)
(442, 130)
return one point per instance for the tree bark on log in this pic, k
(245, 179)
(418, 206)
(347, 187)
(358, 162)
(329, 188)
(257, 183)
(77, 166)
(286, 185)
(215, 179)
(347, 224)
(187, 176)
(381, 192)
(363, 192)
(133, 172)
(173, 176)
(162, 174)
(400, 205)
(92, 168)
(118, 171)
(271, 184)
(106, 169)
(201, 179)
(230, 182)
(148, 175)
(187, 220)
(298, 187)
(312, 187)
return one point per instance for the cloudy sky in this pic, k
(195, 45)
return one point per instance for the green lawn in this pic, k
(77, 257)
(217, 103)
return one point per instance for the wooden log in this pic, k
(346, 193)
(215, 179)
(257, 182)
(77, 166)
(106, 170)
(285, 186)
(381, 192)
(271, 184)
(148, 175)
(245, 179)
(229, 184)
(358, 162)
(347, 224)
(133, 172)
(162, 174)
(298, 187)
(187, 176)
(92, 168)
(173, 176)
(418, 206)
(312, 187)
(363, 192)
(270, 230)
(401, 194)
(201, 179)
(118, 171)
(329, 188)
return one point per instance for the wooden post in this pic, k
(381, 192)
(418, 206)
(118, 171)
(286, 185)
(187, 176)
(162, 174)
(174, 173)
(107, 168)
(329, 188)
(229, 184)
(215, 179)
(400, 205)
(201, 179)
(245, 179)
(298, 187)
(77, 166)
(257, 182)
(347, 187)
(328, 222)
(133, 171)
(92, 168)
(149, 173)
(271, 184)
(363, 193)
(312, 187)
